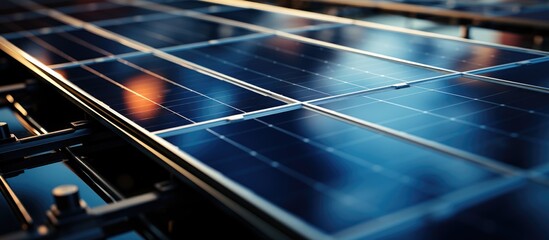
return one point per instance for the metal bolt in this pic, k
(66, 198)
(5, 132)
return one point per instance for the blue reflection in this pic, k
(447, 54)
(496, 121)
(328, 173)
(37, 198)
(517, 214)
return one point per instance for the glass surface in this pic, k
(517, 214)
(301, 71)
(176, 31)
(496, 121)
(272, 20)
(447, 54)
(165, 94)
(533, 74)
(34, 186)
(328, 173)
(69, 46)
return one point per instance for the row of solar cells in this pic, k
(339, 178)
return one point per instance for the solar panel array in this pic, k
(338, 129)
(525, 10)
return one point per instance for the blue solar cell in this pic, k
(299, 70)
(110, 13)
(533, 74)
(514, 215)
(314, 166)
(176, 31)
(496, 121)
(448, 54)
(165, 94)
(69, 46)
(269, 19)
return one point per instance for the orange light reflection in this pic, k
(149, 91)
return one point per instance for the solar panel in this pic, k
(330, 128)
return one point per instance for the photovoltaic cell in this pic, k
(165, 94)
(69, 46)
(176, 31)
(500, 122)
(533, 74)
(510, 216)
(269, 19)
(299, 70)
(298, 161)
(447, 54)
